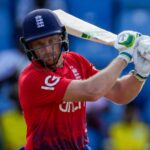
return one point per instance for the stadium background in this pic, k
(107, 122)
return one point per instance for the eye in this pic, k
(37, 47)
(56, 39)
(50, 41)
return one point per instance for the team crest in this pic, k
(39, 21)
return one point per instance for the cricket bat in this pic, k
(82, 29)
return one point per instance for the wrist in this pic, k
(140, 77)
(125, 56)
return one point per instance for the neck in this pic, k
(60, 62)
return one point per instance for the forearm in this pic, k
(125, 89)
(103, 81)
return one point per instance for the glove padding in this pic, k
(144, 47)
(142, 66)
(126, 42)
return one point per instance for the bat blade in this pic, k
(82, 29)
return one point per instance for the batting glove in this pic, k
(142, 66)
(144, 47)
(126, 42)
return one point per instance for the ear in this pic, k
(26, 48)
(65, 44)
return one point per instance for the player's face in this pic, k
(48, 49)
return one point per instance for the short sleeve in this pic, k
(91, 70)
(86, 66)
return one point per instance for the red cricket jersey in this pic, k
(51, 123)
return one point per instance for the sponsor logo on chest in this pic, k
(71, 106)
(50, 82)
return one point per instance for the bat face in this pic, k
(85, 30)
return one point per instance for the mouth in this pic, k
(50, 60)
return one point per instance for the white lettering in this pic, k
(70, 106)
(75, 72)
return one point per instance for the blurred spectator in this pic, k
(13, 124)
(13, 127)
(130, 133)
(12, 62)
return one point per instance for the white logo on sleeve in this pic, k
(39, 21)
(50, 82)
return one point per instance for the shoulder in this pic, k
(25, 71)
(31, 76)
(27, 77)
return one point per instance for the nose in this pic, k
(48, 49)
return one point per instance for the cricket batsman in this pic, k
(54, 87)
